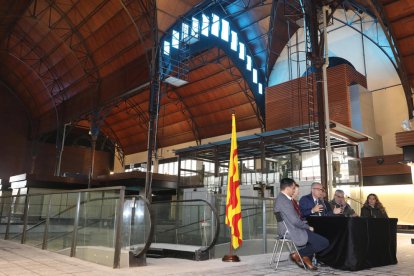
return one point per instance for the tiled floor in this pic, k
(17, 259)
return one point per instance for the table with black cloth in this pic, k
(357, 243)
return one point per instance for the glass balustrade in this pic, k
(137, 229)
(258, 224)
(103, 225)
(92, 224)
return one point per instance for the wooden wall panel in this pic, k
(75, 160)
(405, 138)
(384, 165)
(287, 103)
(14, 130)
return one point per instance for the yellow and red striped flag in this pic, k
(233, 206)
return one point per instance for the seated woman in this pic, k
(373, 208)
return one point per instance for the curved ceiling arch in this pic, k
(35, 58)
(86, 42)
(89, 64)
(217, 88)
(11, 61)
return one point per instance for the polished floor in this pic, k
(18, 259)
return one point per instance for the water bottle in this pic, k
(314, 261)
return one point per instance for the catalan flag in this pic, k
(233, 207)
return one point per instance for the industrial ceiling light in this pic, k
(175, 81)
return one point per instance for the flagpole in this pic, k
(231, 257)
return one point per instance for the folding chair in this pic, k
(282, 240)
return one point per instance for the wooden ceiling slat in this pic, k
(402, 8)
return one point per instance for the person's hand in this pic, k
(337, 210)
(311, 228)
(317, 208)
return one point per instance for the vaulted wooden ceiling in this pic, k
(71, 60)
(400, 17)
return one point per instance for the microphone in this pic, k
(318, 202)
(357, 201)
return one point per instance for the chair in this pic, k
(282, 240)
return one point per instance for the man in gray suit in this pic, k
(299, 231)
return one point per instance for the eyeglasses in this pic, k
(339, 196)
(319, 189)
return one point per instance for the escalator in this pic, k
(187, 229)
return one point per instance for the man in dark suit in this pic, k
(301, 233)
(313, 204)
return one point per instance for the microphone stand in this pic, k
(357, 201)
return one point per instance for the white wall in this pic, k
(390, 110)
(397, 200)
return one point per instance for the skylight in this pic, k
(249, 63)
(234, 41)
(205, 25)
(225, 29)
(242, 51)
(185, 31)
(254, 76)
(166, 48)
(175, 39)
(195, 25)
(215, 25)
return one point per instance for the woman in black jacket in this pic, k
(373, 208)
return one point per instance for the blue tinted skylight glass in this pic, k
(215, 25)
(175, 39)
(185, 31)
(248, 63)
(254, 76)
(260, 88)
(234, 41)
(166, 48)
(242, 51)
(195, 25)
(225, 29)
(205, 24)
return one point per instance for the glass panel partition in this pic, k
(5, 205)
(35, 227)
(62, 213)
(258, 222)
(87, 224)
(16, 218)
(96, 227)
(137, 227)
